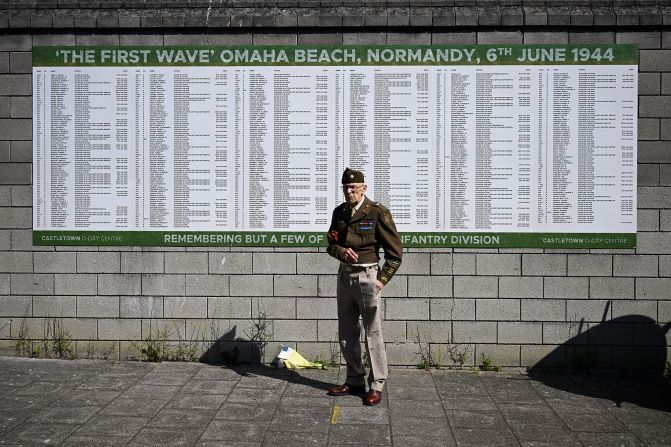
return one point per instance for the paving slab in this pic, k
(200, 387)
(363, 415)
(246, 411)
(476, 418)
(145, 408)
(467, 402)
(165, 437)
(222, 430)
(553, 434)
(360, 435)
(96, 403)
(598, 422)
(63, 415)
(401, 408)
(46, 434)
(256, 394)
(530, 414)
(10, 419)
(411, 378)
(653, 434)
(405, 393)
(283, 439)
(485, 437)
(95, 441)
(197, 401)
(107, 383)
(86, 398)
(424, 441)
(609, 439)
(103, 425)
(150, 391)
(182, 418)
(436, 426)
(290, 404)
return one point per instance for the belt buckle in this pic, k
(351, 268)
(357, 268)
(363, 268)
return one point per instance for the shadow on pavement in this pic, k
(245, 357)
(621, 360)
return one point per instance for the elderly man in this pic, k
(359, 228)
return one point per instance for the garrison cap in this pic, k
(352, 176)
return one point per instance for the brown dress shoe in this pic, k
(345, 389)
(373, 398)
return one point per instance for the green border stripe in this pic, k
(317, 239)
(334, 55)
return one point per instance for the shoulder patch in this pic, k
(379, 205)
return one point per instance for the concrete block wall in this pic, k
(523, 307)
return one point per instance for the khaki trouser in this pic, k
(358, 295)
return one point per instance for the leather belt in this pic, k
(356, 268)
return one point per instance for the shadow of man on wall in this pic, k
(622, 360)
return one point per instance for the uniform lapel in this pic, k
(362, 211)
(347, 213)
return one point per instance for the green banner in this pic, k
(345, 55)
(315, 239)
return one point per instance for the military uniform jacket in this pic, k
(368, 230)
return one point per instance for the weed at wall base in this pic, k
(488, 365)
(260, 334)
(23, 346)
(433, 355)
(335, 353)
(56, 341)
(158, 347)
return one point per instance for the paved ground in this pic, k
(82, 403)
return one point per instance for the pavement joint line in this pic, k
(435, 386)
(498, 409)
(166, 405)
(387, 403)
(286, 380)
(130, 385)
(339, 379)
(544, 400)
(333, 404)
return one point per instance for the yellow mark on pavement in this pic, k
(335, 415)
